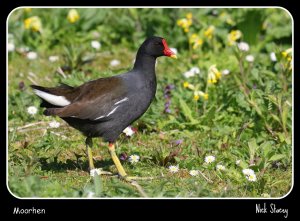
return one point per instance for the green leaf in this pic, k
(242, 101)
(273, 99)
(284, 116)
(187, 111)
(276, 118)
(266, 148)
(252, 148)
(98, 185)
(276, 157)
(251, 26)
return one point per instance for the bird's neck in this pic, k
(144, 63)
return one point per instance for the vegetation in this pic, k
(224, 106)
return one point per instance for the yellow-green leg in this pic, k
(120, 168)
(89, 144)
(121, 171)
(112, 151)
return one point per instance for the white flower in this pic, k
(194, 172)
(32, 55)
(173, 169)
(192, 72)
(53, 58)
(250, 58)
(220, 167)
(32, 110)
(134, 158)
(243, 46)
(174, 50)
(248, 172)
(225, 72)
(114, 63)
(251, 177)
(10, 47)
(96, 45)
(210, 159)
(128, 131)
(195, 70)
(96, 171)
(54, 124)
(90, 194)
(238, 162)
(188, 74)
(273, 56)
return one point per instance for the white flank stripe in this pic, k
(99, 117)
(121, 101)
(52, 99)
(112, 111)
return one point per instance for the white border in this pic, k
(141, 198)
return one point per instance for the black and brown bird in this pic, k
(106, 106)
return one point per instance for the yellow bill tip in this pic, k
(174, 56)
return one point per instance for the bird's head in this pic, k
(157, 46)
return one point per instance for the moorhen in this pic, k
(106, 106)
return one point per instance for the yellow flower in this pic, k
(233, 36)
(286, 52)
(198, 94)
(188, 85)
(179, 22)
(193, 38)
(185, 23)
(209, 32)
(189, 15)
(218, 74)
(198, 43)
(213, 74)
(185, 84)
(33, 23)
(212, 80)
(73, 16)
(195, 41)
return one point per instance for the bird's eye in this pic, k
(158, 43)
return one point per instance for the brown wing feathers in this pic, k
(94, 98)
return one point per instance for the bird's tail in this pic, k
(52, 97)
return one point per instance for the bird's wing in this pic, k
(96, 100)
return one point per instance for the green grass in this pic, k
(247, 117)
